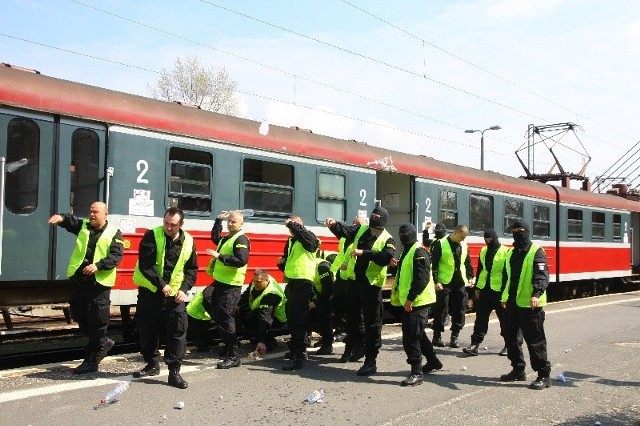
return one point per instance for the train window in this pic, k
(267, 187)
(85, 148)
(574, 223)
(448, 209)
(617, 227)
(597, 225)
(23, 149)
(541, 222)
(331, 196)
(190, 180)
(480, 212)
(513, 210)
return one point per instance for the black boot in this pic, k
(325, 350)
(415, 378)
(89, 365)
(229, 362)
(357, 354)
(437, 340)
(348, 350)
(294, 363)
(175, 379)
(471, 350)
(433, 363)
(503, 352)
(151, 369)
(454, 342)
(515, 375)
(104, 351)
(368, 368)
(540, 383)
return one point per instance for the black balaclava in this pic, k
(408, 235)
(379, 222)
(495, 242)
(520, 239)
(440, 231)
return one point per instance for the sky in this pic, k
(408, 75)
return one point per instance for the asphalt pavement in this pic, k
(594, 343)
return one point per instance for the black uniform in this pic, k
(90, 301)
(320, 316)
(258, 323)
(154, 311)
(454, 294)
(364, 302)
(225, 296)
(529, 321)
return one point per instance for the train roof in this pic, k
(43, 93)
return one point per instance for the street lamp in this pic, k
(496, 127)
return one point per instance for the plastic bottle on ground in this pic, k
(113, 395)
(315, 396)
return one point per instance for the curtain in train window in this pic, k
(617, 227)
(597, 225)
(480, 212)
(190, 180)
(513, 210)
(85, 147)
(267, 187)
(23, 145)
(448, 209)
(574, 223)
(331, 197)
(541, 222)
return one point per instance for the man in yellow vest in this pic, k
(369, 255)
(490, 281)
(228, 267)
(299, 264)
(166, 270)
(452, 270)
(92, 270)
(320, 304)
(414, 291)
(524, 297)
(261, 309)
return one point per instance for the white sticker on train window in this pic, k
(140, 207)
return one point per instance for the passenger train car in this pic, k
(68, 144)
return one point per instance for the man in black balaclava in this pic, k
(368, 257)
(440, 231)
(524, 297)
(490, 281)
(414, 290)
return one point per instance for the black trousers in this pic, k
(531, 323)
(90, 307)
(488, 301)
(414, 339)
(338, 303)
(225, 301)
(320, 322)
(157, 315)
(249, 322)
(455, 298)
(299, 294)
(364, 317)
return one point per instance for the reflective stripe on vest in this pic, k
(447, 264)
(301, 264)
(103, 247)
(375, 273)
(525, 283)
(497, 269)
(402, 283)
(231, 275)
(272, 288)
(177, 276)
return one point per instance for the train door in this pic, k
(80, 170)
(634, 239)
(26, 143)
(396, 194)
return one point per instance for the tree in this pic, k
(190, 83)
